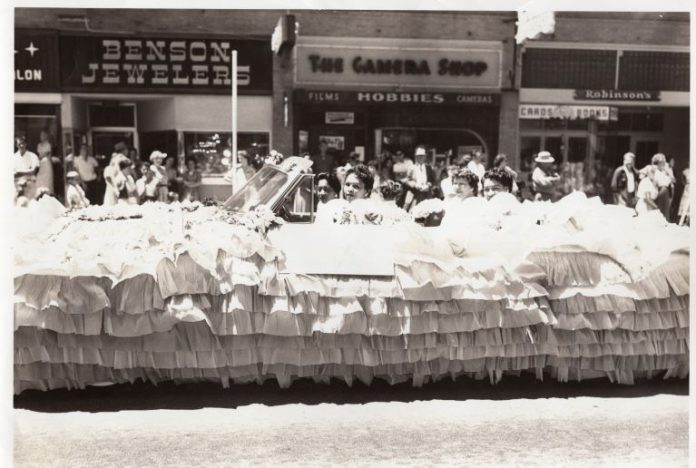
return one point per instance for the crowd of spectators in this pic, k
(403, 179)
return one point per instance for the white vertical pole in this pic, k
(234, 119)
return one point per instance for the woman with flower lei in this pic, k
(355, 207)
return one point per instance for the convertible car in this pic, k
(254, 289)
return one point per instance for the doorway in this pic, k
(442, 144)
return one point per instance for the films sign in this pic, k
(395, 97)
(156, 64)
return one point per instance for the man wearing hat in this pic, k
(421, 178)
(75, 196)
(545, 180)
(625, 181)
(157, 158)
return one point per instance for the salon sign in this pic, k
(553, 111)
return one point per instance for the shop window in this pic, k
(31, 120)
(645, 151)
(111, 115)
(212, 153)
(568, 68)
(647, 122)
(667, 71)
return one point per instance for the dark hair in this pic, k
(471, 178)
(499, 159)
(466, 159)
(501, 176)
(124, 163)
(363, 174)
(330, 179)
(390, 190)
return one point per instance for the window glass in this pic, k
(30, 127)
(297, 206)
(111, 115)
(259, 190)
(211, 150)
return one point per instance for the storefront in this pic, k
(167, 93)
(602, 102)
(369, 96)
(37, 98)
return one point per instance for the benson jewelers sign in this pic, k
(153, 64)
(405, 63)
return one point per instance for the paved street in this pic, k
(519, 422)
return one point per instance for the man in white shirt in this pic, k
(476, 165)
(24, 161)
(75, 197)
(147, 184)
(421, 177)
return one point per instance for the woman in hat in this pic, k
(545, 179)
(75, 197)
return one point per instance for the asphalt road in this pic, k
(519, 422)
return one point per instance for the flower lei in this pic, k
(260, 219)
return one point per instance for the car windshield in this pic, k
(258, 190)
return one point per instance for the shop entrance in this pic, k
(444, 145)
(109, 124)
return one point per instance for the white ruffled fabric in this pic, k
(572, 290)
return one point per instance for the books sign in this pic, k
(553, 111)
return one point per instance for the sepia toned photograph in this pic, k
(304, 237)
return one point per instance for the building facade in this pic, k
(602, 85)
(361, 81)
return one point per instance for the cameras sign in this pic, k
(156, 64)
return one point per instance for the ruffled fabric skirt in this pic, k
(419, 326)
(189, 298)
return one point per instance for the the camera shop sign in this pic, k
(155, 64)
(405, 63)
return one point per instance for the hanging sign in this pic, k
(553, 111)
(36, 61)
(615, 95)
(157, 64)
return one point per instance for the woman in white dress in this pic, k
(647, 191)
(114, 179)
(44, 178)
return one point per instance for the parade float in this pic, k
(254, 290)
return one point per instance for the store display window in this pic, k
(212, 150)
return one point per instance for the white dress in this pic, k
(646, 191)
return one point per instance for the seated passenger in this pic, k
(496, 181)
(328, 187)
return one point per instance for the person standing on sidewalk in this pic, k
(625, 181)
